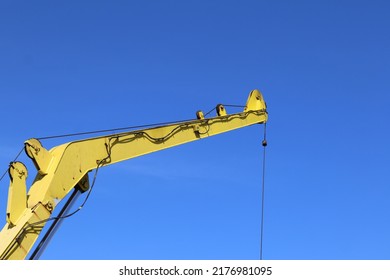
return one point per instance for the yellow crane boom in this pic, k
(66, 167)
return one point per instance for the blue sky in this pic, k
(323, 68)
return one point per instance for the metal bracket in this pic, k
(199, 115)
(83, 184)
(255, 102)
(40, 156)
(221, 111)
(17, 194)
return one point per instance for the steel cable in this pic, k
(264, 144)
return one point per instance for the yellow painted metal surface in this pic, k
(17, 241)
(66, 166)
(17, 193)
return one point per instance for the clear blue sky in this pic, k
(323, 67)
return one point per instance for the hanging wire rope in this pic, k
(264, 144)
